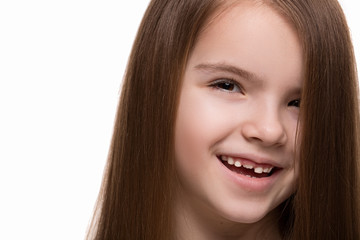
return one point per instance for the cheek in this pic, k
(189, 139)
(196, 131)
(294, 149)
(191, 130)
(297, 145)
(292, 127)
(200, 123)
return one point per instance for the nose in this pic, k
(266, 128)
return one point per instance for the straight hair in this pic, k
(137, 194)
(326, 204)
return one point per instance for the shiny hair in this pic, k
(136, 197)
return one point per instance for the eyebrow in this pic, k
(223, 67)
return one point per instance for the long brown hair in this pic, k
(326, 205)
(136, 197)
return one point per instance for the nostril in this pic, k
(257, 139)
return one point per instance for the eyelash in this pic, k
(230, 83)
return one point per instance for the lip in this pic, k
(246, 183)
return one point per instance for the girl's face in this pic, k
(238, 115)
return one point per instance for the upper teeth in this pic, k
(248, 166)
(237, 163)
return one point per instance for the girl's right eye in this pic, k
(227, 85)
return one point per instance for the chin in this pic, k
(247, 214)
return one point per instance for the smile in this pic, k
(246, 167)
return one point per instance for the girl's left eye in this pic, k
(294, 103)
(227, 85)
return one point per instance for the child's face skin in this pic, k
(239, 99)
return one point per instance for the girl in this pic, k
(237, 120)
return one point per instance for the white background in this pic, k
(61, 65)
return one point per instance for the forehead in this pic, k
(253, 36)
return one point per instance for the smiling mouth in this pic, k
(247, 168)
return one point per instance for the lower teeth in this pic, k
(250, 176)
